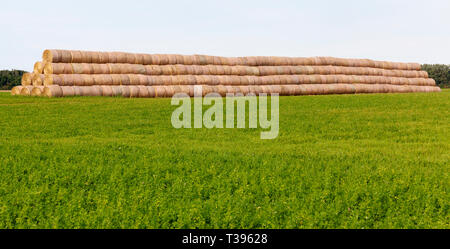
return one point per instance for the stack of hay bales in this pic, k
(86, 73)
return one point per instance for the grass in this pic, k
(350, 161)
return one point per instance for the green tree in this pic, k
(10, 78)
(439, 72)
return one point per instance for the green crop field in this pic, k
(349, 161)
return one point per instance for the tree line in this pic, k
(10, 78)
(439, 72)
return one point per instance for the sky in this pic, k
(394, 30)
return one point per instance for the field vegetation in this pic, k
(349, 161)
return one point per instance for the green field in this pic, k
(349, 161)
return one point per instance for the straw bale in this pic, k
(53, 91)
(38, 67)
(38, 79)
(16, 90)
(27, 79)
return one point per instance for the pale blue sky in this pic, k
(404, 31)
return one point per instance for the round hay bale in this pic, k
(179, 59)
(284, 90)
(118, 68)
(100, 69)
(166, 70)
(253, 80)
(52, 79)
(165, 80)
(16, 90)
(27, 79)
(177, 89)
(134, 79)
(112, 79)
(54, 68)
(423, 74)
(261, 60)
(207, 89)
(301, 90)
(219, 70)
(38, 79)
(67, 79)
(143, 80)
(77, 90)
(211, 69)
(184, 89)
(320, 89)
(67, 91)
(76, 57)
(107, 79)
(139, 59)
(222, 90)
(103, 58)
(146, 59)
(130, 58)
(227, 70)
(307, 89)
(86, 56)
(172, 59)
(222, 80)
(188, 60)
(170, 90)
(89, 91)
(230, 89)
(264, 80)
(99, 90)
(53, 91)
(116, 91)
(125, 90)
(292, 90)
(329, 89)
(359, 88)
(66, 56)
(350, 88)
(263, 70)
(346, 88)
(143, 92)
(431, 82)
(95, 57)
(265, 89)
(38, 67)
(86, 68)
(163, 59)
(180, 70)
(112, 57)
(98, 79)
(177, 79)
(155, 59)
(191, 90)
(51, 55)
(78, 68)
(235, 70)
(148, 70)
(107, 91)
(120, 57)
(160, 91)
(88, 80)
(225, 61)
(151, 91)
(134, 91)
(339, 88)
(244, 89)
